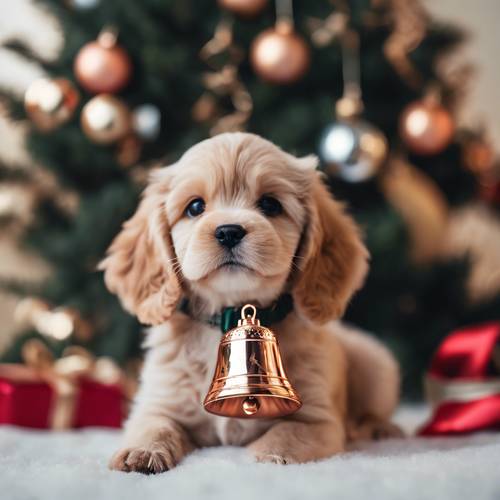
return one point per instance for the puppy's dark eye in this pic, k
(195, 208)
(270, 206)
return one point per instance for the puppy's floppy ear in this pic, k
(139, 263)
(332, 258)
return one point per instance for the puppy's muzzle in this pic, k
(229, 235)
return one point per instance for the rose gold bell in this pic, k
(249, 379)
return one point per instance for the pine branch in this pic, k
(20, 48)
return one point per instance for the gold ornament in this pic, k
(420, 203)
(279, 55)
(103, 66)
(50, 103)
(249, 379)
(243, 8)
(105, 119)
(409, 20)
(426, 127)
(223, 82)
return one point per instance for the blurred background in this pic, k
(398, 98)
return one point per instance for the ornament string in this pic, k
(351, 103)
(284, 14)
(108, 36)
(351, 65)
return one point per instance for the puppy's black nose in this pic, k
(229, 235)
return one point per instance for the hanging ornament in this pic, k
(105, 119)
(243, 8)
(103, 66)
(83, 4)
(50, 103)
(146, 121)
(279, 55)
(478, 155)
(351, 148)
(129, 150)
(426, 127)
(324, 30)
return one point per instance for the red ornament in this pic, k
(490, 191)
(479, 156)
(103, 66)
(279, 55)
(426, 127)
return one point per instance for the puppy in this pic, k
(238, 220)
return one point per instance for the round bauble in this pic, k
(103, 66)
(352, 150)
(146, 120)
(50, 103)
(280, 55)
(243, 8)
(83, 4)
(478, 156)
(105, 119)
(426, 127)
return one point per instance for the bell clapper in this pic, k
(251, 405)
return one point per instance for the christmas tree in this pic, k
(137, 83)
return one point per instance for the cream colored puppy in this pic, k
(238, 220)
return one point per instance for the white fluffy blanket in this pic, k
(72, 465)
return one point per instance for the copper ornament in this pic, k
(426, 127)
(243, 8)
(479, 156)
(105, 119)
(279, 55)
(103, 66)
(50, 103)
(249, 379)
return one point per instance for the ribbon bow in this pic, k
(460, 383)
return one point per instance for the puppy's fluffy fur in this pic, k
(348, 382)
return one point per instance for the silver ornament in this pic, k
(84, 4)
(146, 121)
(353, 150)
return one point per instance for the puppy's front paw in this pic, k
(152, 460)
(374, 429)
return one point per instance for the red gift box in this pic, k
(30, 398)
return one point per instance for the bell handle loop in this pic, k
(244, 315)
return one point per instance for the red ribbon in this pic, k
(463, 357)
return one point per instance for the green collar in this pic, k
(229, 316)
